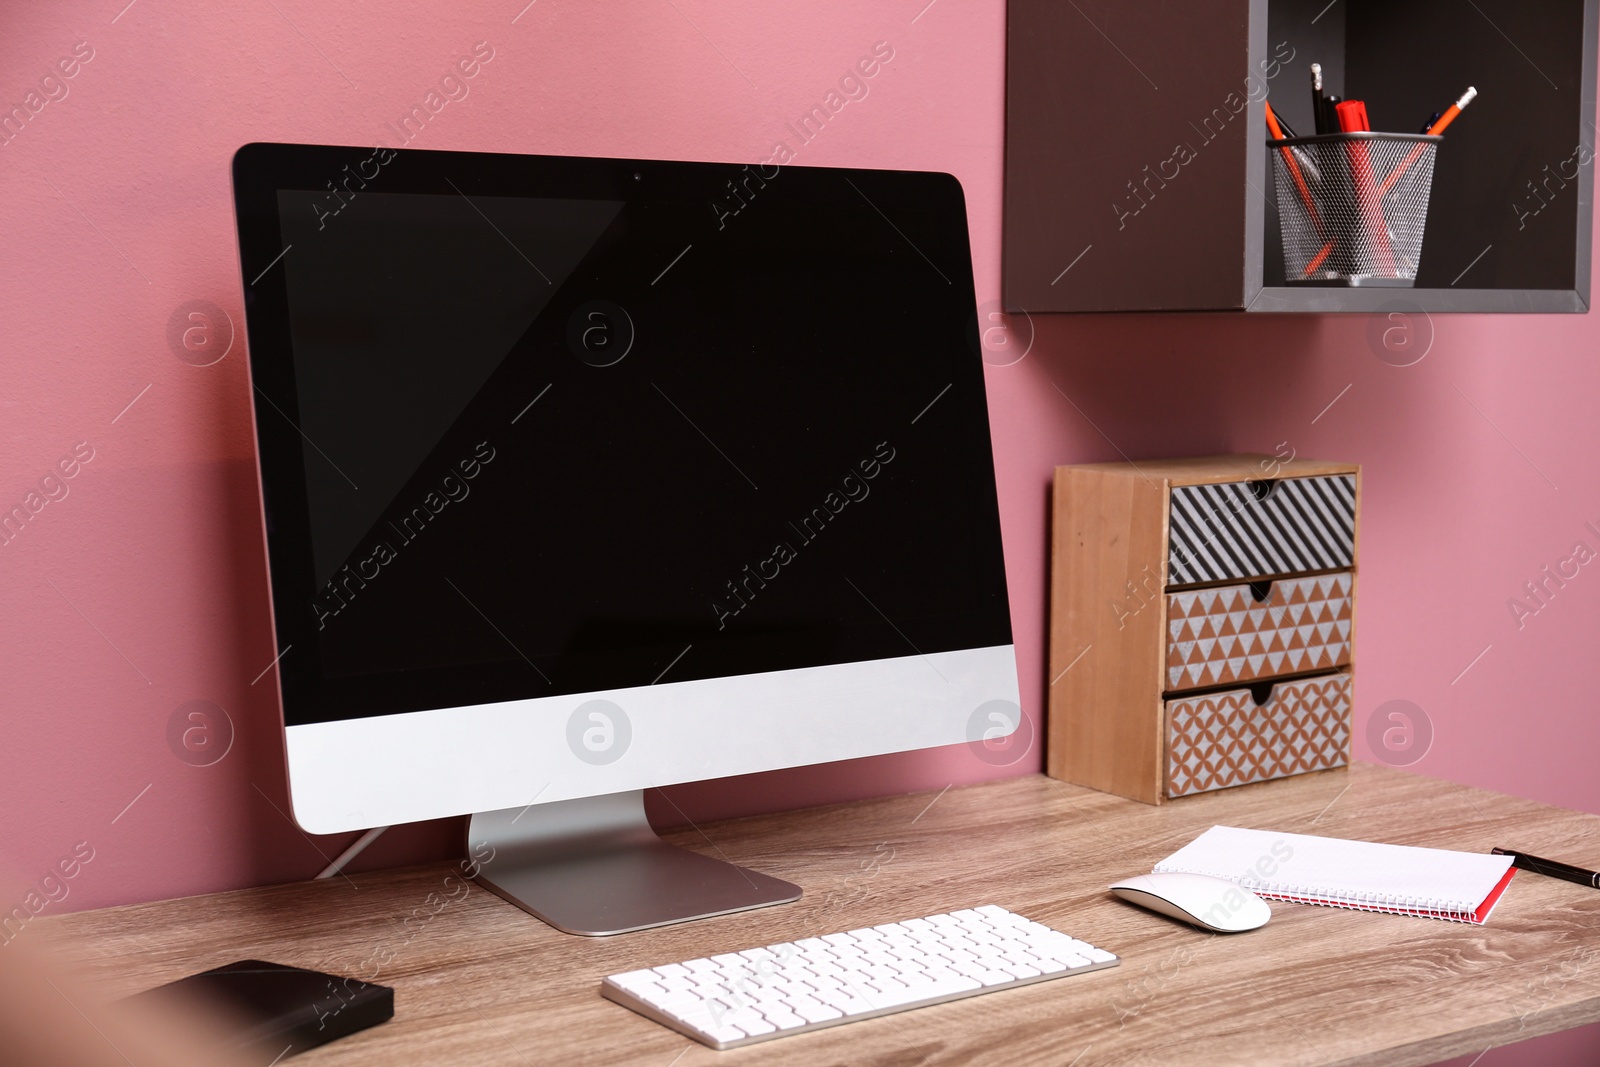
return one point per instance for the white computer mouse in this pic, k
(1209, 903)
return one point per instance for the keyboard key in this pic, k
(755, 1025)
(926, 992)
(725, 1032)
(635, 979)
(850, 1003)
(674, 1003)
(814, 1011)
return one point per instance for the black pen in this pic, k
(1437, 115)
(1330, 114)
(1312, 172)
(1565, 871)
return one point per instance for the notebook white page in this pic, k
(1352, 874)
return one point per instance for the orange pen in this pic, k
(1276, 130)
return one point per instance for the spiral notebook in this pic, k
(1428, 882)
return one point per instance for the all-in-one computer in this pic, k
(586, 476)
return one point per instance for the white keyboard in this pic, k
(743, 997)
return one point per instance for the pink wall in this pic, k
(143, 588)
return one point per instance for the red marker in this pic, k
(1353, 119)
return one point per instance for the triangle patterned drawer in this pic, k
(1221, 635)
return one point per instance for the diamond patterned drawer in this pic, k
(1222, 635)
(1223, 739)
(1259, 529)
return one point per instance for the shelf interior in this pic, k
(1509, 190)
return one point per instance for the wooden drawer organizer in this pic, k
(1202, 622)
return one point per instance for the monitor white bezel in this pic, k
(383, 770)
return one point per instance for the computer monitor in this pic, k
(585, 476)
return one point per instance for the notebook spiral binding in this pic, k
(1450, 910)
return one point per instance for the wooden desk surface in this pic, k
(481, 982)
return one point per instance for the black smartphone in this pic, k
(271, 1011)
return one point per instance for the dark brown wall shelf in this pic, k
(1137, 174)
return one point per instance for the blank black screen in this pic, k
(532, 427)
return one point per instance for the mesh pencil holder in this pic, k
(1353, 206)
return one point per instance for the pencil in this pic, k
(1433, 129)
(1316, 98)
(1330, 114)
(1454, 111)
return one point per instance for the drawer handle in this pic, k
(1262, 488)
(1261, 592)
(1261, 693)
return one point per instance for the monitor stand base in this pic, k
(593, 866)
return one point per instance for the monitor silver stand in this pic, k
(593, 866)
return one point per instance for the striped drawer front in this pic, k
(1221, 635)
(1224, 739)
(1222, 532)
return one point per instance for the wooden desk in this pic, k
(483, 983)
